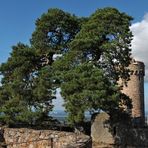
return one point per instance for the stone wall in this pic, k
(134, 137)
(29, 138)
(122, 136)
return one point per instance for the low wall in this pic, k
(29, 138)
(122, 136)
(135, 137)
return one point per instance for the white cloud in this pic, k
(140, 42)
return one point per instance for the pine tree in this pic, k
(28, 87)
(85, 57)
(98, 57)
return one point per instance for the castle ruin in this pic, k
(134, 135)
(134, 88)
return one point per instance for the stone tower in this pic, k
(135, 90)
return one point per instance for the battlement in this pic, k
(137, 68)
(136, 72)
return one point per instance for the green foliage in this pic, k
(83, 56)
(21, 79)
(54, 30)
(98, 57)
(86, 88)
(105, 39)
(28, 86)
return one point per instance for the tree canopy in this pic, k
(100, 51)
(85, 57)
(28, 87)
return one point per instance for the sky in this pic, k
(17, 23)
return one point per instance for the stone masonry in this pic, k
(135, 89)
(29, 138)
(123, 137)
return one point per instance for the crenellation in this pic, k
(137, 72)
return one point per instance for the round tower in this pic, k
(134, 88)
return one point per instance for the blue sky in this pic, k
(17, 18)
